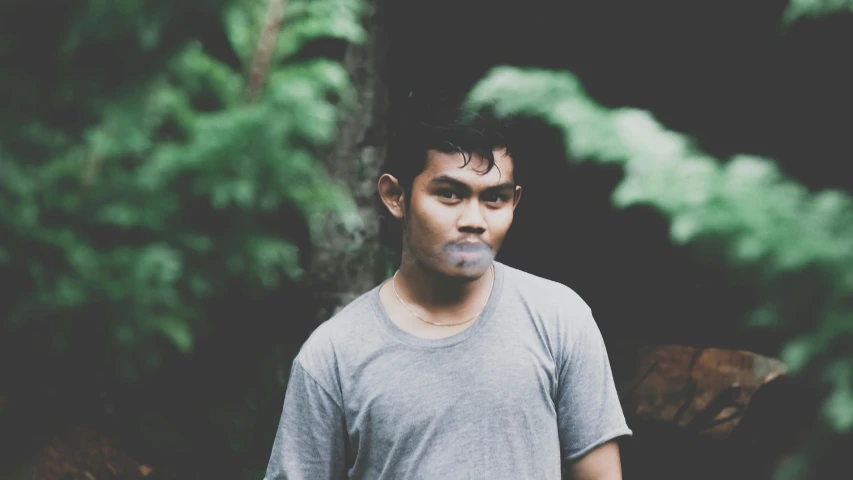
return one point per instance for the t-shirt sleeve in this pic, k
(588, 409)
(311, 439)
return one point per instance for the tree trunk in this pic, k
(347, 263)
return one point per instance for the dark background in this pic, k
(724, 73)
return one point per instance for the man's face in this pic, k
(457, 217)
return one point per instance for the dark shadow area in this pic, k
(724, 73)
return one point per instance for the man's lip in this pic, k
(470, 245)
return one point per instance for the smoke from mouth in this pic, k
(468, 255)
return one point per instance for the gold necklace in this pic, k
(491, 286)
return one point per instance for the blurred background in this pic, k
(187, 191)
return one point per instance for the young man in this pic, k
(457, 367)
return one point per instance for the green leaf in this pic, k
(838, 408)
(273, 257)
(242, 25)
(308, 20)
(120, 214)
(176, 330)
(69, 293)
(799, 9)
(764, 316)
(795, 467)
(684, 228)
(797, 353)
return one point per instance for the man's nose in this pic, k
(471, 217)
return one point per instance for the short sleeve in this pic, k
(311, 437)
(588, 409)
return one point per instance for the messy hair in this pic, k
(431, 122)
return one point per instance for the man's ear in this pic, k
(516, 196)
(391, 194)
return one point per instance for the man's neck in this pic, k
(439, 294)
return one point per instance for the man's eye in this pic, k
(448, 194)
(496, 198)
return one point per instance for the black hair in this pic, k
(427, 122)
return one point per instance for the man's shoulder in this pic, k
(559, 312)
(543, 293)
(321, 351)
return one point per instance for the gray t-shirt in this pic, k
(523, 389)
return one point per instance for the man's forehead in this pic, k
(451, 165)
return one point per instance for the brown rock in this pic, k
(701, 390)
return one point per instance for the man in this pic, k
(458, 366)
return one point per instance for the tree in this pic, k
(157, 164)
(124, 213)
(349, 260)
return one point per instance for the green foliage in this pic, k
(801, 242)
(170, 188)
(793, 468)
(304, 21)
(798, 9)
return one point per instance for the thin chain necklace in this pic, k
(491, 286)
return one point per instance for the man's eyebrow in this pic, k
(503, 186)
(464, 186)
(449, 180)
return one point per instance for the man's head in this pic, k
(450, 181)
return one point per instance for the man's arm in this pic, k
(601, 463)
(589, 414)
(311, 440)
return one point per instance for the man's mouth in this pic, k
(468, 247)
(468, 253)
